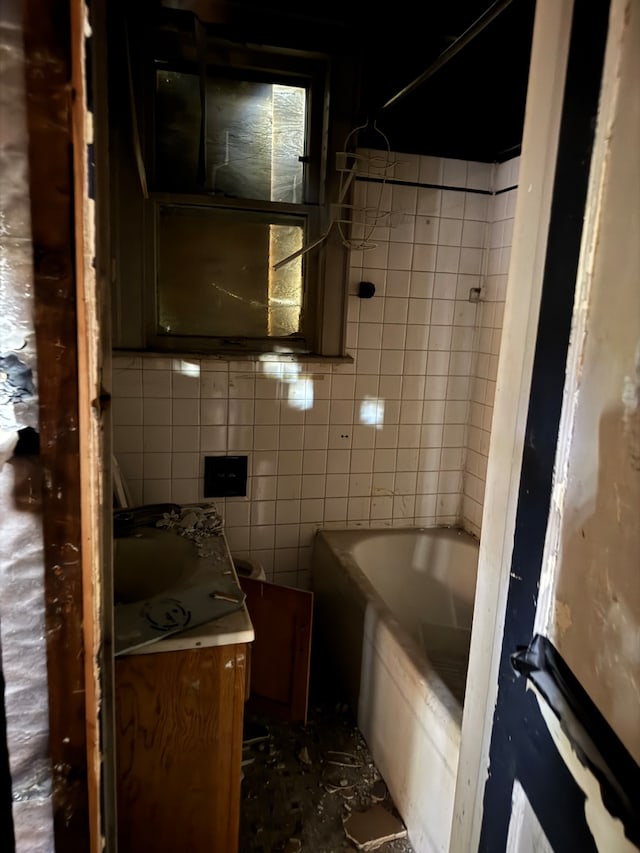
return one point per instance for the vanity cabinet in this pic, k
(179, 721)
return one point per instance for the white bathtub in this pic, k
(393, 610)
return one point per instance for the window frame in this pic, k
(323, 317)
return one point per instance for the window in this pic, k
(233, 143)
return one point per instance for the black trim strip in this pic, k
(595, 743)
(398, 183)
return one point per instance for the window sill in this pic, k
(276, 357)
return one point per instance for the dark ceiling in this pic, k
(471, 108)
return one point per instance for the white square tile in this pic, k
(448, 259)
(340, 436)
(457, 388)
(288, 488)
(394, 335)
(430, 170)
(409, 435)
(461, 364)
(429, 459)
(476, 206)
(427, 482)
(433, 411)
(184, 465)
(367, 361)
(480, 176)
(360, 485)
(287, 512)
(240, 438)
(454, 172)
(312, 510)
(370, 335)
(424, 258)
(407, 459)
(185, 385)
(185, 412)
(156, 383)
(389, 388)
(420, 310)
(404, 198)
(371, 311)
(363, 436)
(157, 466)
(240, 412)
(127, 383)
(153, 439)
(361, 461)
(316, 437)
(127, 411)
(426, 229)
(213, 412)
(358, 508)
(343, 387)
(264, 488)
(131, 465)
(456, 412)
(429, 201)
(425, 505)
(384, 460)
(453, 204)
(262, 536)
(241, 385)
(237, 513)
(417, 337)
(445, 284)
(465, 313)
(400, 256)
(398, 283)
(411, 412)
(381, 507)
(413, 387)
(335, 509)
(431, 435)
(337, 485)
(453, 435)
(267, 412)
(263, 513)
(435, 388)
(291, 437)
(420, 287)
(338, 460)
(313, 485)
(387, 436)
(156, 412)
(265, 437)
(415, 362)
(290, 462)
(214, 385)
(442, 312)
(212, 439)
(471, 261)
(395, 310)
(474, 234)
(391, 362)
(440, 337)
(156, 491)
(314, 461)
(268, 387)
(450, 233)
(406, 167)
(405, 483)
(287, 535)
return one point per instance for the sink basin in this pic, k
(150, 562)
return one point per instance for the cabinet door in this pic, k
(280, 652)
(179, 718)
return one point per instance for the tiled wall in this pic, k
(488, 335)
(380, 442)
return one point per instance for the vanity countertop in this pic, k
(235, 627)
(173, 567)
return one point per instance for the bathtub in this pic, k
(393, 611)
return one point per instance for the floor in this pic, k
(302, 781)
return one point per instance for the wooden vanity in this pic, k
(179, 721)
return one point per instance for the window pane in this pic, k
(255, 135)
(216, 277)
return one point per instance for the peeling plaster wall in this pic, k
(23, 652)
(593, 573)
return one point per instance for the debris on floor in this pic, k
(306, 783)
(370, 829)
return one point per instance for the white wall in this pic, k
(315, 457)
